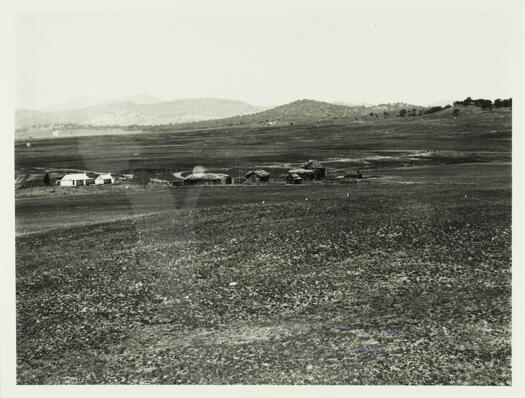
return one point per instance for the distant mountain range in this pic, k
(84, 102)
(127, 113)
(192, 113)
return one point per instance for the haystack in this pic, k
(317, 168)
(258, 176)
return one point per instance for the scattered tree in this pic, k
(433, 109)
(481, 102)
(506, 103)
(47, 180)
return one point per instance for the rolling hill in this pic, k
(190, 114)
(299, 112)
(84, 102)
(127, 113)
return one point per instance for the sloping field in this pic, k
(408, 281)
(248, 146)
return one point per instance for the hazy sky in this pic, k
(270, 55)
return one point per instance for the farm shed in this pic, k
(105, 179)
(258, 176)
(293, 179)
(208, 179)
(158, 181)
(318, 169)
(75, 179)
(305, 174)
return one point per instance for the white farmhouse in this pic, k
(105, 179)
(76, 179)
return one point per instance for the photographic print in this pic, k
(297, 193)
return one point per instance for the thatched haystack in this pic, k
(316, 167)
(258, 176)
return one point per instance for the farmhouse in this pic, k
(104, 179)
(305, 174)
(258, 176)
(207, 179)
(75, 179)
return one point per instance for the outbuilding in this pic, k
(75, 179)
(105, 179)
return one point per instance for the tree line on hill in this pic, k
(484, 104)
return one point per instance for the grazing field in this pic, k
(244, 147)
(407, 281)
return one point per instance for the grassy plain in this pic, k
(244, 147)
(406, 281)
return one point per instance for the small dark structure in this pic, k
(293, 179)
(356, 175)
(258, 176)
(177, 182)
(318, 169)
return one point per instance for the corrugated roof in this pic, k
(105, 176)
(75, 176)
(300, 171)
(206, 176)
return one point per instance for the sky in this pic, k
(269, 55)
